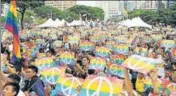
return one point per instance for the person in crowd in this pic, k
(11, 89)
(31, 75)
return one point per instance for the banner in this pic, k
(121, 49)
(102, 52)
(101, 86)
(141, 64)
(67, 58)
(34, 51)
(110, 44)
(67, 85)
(118, 59)
(97, 63)
(86, 46)
(44, 63)
(51, 75)
(114, 69)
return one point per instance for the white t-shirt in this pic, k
(21, 93)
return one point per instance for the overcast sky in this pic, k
(88, 3)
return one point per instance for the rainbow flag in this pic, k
(114, 69)
(51, 75)
(101, 86)
(34, 51)
(70, 83)
(102, 52)
(168, 43)
(67, 58)
(118, 59)
(95, 38)
(171, 88)
(12, 26)
(141, 64)
(97, 63)
(73, 39)
(86, 46)
(45, 63)
(110, 44)
(121, 49)
(137, 50)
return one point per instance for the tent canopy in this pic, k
(135, 22)
(48, 23)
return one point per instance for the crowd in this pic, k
(24, 77)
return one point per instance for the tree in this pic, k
(24, 5)
(49, 12)
(91, 12)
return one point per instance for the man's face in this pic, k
(30, 73)
(8, 91)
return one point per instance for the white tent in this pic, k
(135, 22)
(48, 23)
(138, 22)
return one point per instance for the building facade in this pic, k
(5, 9)
(61, 5)
(111, 8)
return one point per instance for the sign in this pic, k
(97, 63)
(141, 64)
(102, 52)
(51, 75)
(121, 49)
(118, 59)
(67, 58)
(68, 85)
(86, 46)
(101, 86)
(114, 69)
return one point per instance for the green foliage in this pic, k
(166, 16)
(91, 12)
(48, 12)
(2, 19)
(39, 20)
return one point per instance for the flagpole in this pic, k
(0, 49)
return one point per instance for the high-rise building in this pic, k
(61, 4)
(111, 8)
(5, 8)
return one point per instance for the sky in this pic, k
(87, 3)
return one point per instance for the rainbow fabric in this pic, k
(101, 86)
(171, 88)
(95, 38)
(45, 63)
(110, 44)
(97, 63)
(67, 58)
(114, 69)
(118, 59)
(168, 43)
(12, 26)
(65, 82)
(34, 51)
(51, 75)
(148, 83)
(86, 46)
(121, 49)
(137, 50)
(102, 52)
(141, 64)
